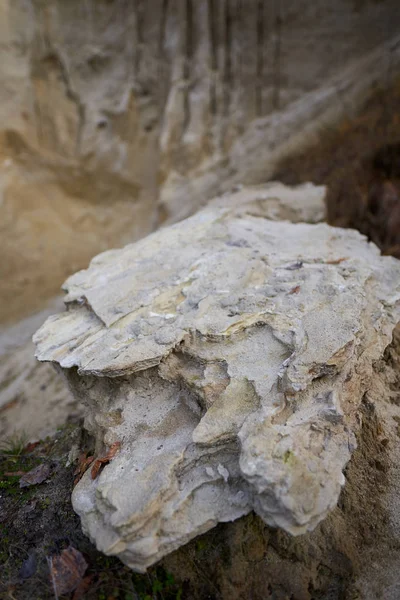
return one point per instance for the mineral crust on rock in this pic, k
(229, 355)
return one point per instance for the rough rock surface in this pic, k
(275, 201)
(34, 400)
(229, 355)
(116, 115)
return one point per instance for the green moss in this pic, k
(13, 445)
(45, 503)
(158, 584)
(288, 457)
(201, 545)
(15, 463)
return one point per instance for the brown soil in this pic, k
(359, 161)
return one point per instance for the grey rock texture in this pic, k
(229, 354)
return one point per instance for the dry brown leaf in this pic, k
(11, 404)
(336, 261)
(96, 469)
(35, 476)
(83, 464)
(31, 446)
(83, 587)
(99, 462)
(67, 570)
(295, 290)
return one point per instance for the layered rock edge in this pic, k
(229, 355)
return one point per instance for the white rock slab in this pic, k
(228, 354)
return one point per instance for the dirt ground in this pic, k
(359, 161)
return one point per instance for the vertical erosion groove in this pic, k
(228, 62)
(87, 17)
(132, 30)
(260, 58)
(37, 113)
(277, 55)
(237, 41)
(51, 56)
(189, 44)
(161, 40)
(139, 33)
(72, 95)
(41, 46)
(220, 50)
(213, 54)
(162, 74)
(128, 15)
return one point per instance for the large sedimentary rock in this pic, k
(228, 354)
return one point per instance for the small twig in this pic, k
(50, 563)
